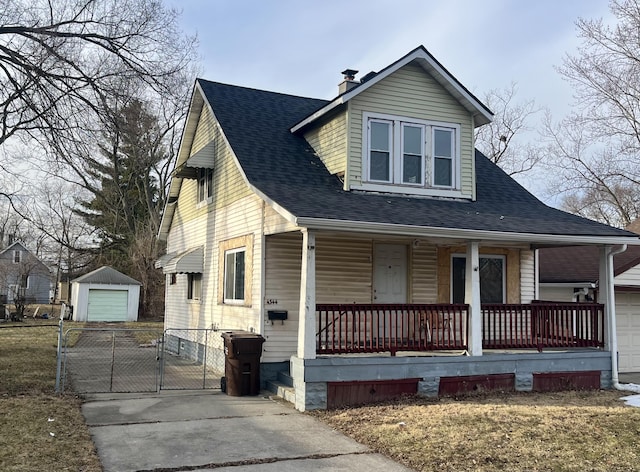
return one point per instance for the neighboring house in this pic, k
(369, 225)
(571, 274)
(23, 276)
(105, 295)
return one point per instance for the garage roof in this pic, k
(106, 275)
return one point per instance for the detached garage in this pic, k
(105, 295)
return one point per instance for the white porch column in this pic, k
(472, 298)
(606, 295)
(307, 313)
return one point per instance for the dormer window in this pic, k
(410, 153)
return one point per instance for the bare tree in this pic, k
(501, 140)
(60, 60)
(594, 153)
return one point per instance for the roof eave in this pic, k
(459, 233)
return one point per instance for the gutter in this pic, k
(467, 234)
(613, 335)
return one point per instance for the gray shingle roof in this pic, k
(106, 275)
(284, 167)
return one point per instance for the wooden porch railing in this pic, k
(368, 328)
(542, 325)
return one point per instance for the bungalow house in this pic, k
(370, 244)
(23, 277)
(571, 274)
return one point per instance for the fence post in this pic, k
(59, 359)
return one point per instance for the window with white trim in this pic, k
(411, 153)
(492, 278)
(17, 256)
(234, 272)
(205, 185)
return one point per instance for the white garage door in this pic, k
(107, 305)
(628, 329)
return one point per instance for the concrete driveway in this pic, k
(196, 430)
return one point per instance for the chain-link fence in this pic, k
(96, 360)
(191, 359)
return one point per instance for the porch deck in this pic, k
(393, 328)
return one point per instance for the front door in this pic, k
(390, 273)
(389, 286)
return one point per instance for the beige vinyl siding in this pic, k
(410, 92)
(527, 276)
(275, 223)
(239, 219)
(283, 262)
(424, 273)
(228, 183)
(343, 270)
(329, 141)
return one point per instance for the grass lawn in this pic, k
(41, 431)
(568, 431)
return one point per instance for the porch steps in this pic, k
(283, 387)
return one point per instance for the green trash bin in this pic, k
(242, 351)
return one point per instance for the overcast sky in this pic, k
(300, 46)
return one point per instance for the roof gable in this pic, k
(106, 275)
(422, 57)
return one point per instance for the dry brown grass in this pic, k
(28, 401)
(568, 431)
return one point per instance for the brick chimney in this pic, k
(349, 81)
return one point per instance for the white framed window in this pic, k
(410, 153)
(234, 275)
(492, 278)
(17, 256)
(194, 287)
(205, 185)
(380, 141)
(443, 157)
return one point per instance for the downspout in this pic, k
(613, 335)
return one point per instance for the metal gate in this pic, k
(101, 360)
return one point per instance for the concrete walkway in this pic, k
(203, 431)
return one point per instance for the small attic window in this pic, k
(17, 256)
(205, 185)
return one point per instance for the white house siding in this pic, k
(424, 273)
(556, 294)
(330, 143)
(527, 276)
(628, 329)
(630, 277)
(413, 93)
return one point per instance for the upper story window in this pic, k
(410, 153)
(205, 185)
(17, 256)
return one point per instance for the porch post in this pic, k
(606, 295)
(472, 298)
(307, 312)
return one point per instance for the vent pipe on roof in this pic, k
(349, 81)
